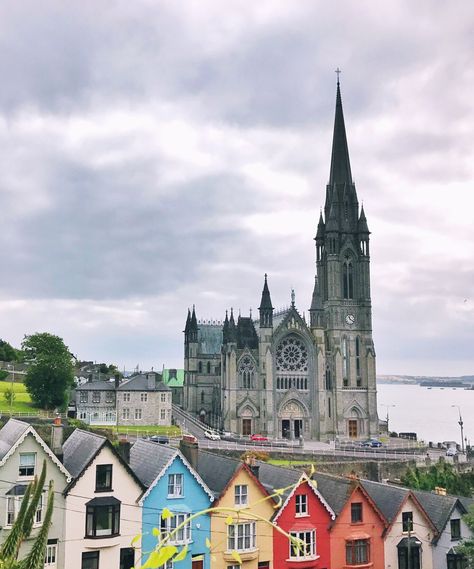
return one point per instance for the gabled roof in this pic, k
(439, 508)
(336, 490)
(14, 433)
(10, 433)
(304, 479)
(101, 385)
(277, 477)
(387, 497)
(140, 383)
(158, 459)
(216, 470)
(246, 468)
(148, 459)
(81, 448)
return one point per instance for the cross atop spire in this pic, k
(337, 72)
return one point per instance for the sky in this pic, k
(160, 154)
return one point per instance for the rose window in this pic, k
(291, 355)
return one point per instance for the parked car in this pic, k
(451, 451)
(189, 438)
(212, 435)
(258, 438)
(373, 443)
(162, 439)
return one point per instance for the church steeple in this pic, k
(193, 327)
(340, 172)
(266, 308)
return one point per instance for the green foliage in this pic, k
(9, 395)
(23, 525)
(441, 474)
(50, 374)
(467, 545)
(7, 352)
(3, 374)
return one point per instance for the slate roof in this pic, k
(10, 433)
(147, 459)
(216, 470)
(388, 498)
(140, 383)
(334, 489)
(246, 334)
(210, 339)
(437, 507)
(79, 450)
(96, 386)
(274, 477)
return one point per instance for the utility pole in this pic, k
(461, 425)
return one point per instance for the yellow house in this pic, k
(252, 538)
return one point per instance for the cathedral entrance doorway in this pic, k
(291, 424)
(246, 426)
(353, 428)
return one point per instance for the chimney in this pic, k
(89, 378)
(440, 491)
(117, 380)
(151, 380)
(124, 450)
(190, 450)
(251, 462)
(57, 436)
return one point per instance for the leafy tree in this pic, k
(9, 395)
(50, 374)
(21, 529)
(440, 474)
(3, 374)
(467, 545)
(7, 352)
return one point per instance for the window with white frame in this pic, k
(301, 504)
(39, 511)
(83, 396)
(241, 537)
(306, 545)
(83, 415)
(51, 553)
(162, 414)
(138, 414)
(163, 397)
(96, 397)
(109, 397)
(171, 524)
(143, 397)
(13, 507)
(241, 494)
(126, 396)
(175, 485)
(27, 464)
(125, 413)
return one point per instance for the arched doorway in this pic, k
(353, 424)
(291, 420)
(246, 417)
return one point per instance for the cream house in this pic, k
(103, 515)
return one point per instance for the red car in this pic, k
(258, 438)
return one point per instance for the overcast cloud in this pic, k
(156, 155)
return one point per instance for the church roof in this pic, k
(246, 334)
(210, 338)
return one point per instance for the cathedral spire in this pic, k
(266, 308)
(340, 172)
(193, 327)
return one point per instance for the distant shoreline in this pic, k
(461, 382)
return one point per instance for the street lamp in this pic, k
(461, 424)
(387, 407)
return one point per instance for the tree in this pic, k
(467, 545)
(21, 529)
(50, 374)
(9, 395)
(7, 352)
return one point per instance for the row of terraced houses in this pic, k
(105, 498)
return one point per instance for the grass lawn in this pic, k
(22, 403)
(279, 462)
(149, 430)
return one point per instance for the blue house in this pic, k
(172, 483)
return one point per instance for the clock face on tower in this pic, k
(350, 319)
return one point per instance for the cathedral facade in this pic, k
(280, 375)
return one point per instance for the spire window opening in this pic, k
(359, 378)
(328, 379)
(348, 279)
(345, 362)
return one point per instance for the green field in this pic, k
(22, 403)
(282, 462)
(149, 430)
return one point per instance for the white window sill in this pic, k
(302, 515)
(303, 559)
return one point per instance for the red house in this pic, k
(306, 515)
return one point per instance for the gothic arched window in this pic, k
(208, 367)
(358, 356)
(292, 364)
(200, 367)
(246, 373)
(328, 378)
(347, 278)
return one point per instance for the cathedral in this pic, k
(280, 375)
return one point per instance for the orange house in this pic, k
(357, 533)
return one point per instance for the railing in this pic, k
(38, 413)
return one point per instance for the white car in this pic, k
(211, 435)
(451, 451)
